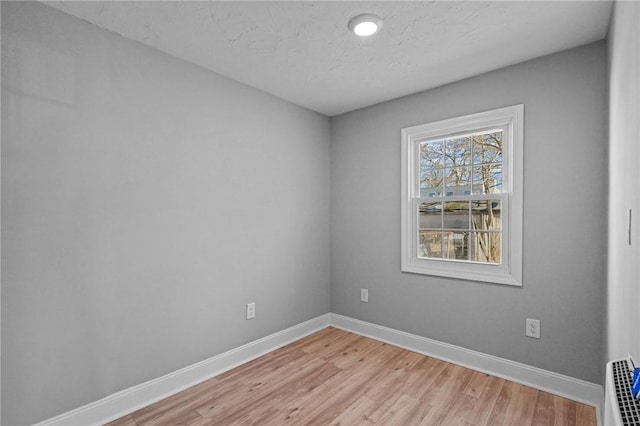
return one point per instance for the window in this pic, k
(462, 197)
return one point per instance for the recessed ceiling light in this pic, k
(365, 25)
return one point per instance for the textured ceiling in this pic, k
(303, 52)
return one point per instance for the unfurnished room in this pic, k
(320, 213)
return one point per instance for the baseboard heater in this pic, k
(621, 408)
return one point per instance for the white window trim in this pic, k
(510, 271)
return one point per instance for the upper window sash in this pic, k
(474, 161)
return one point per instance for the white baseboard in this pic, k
(548, 381)
(129, 400)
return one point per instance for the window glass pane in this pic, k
(486, 247)
(496, 180)
(487, 179)
(478, 184)
(487, 147)
(456, 215)
(431, 154)
(458, 180)
(430, 216)
(486, 214)
(431, 182)
(455, 245)
(457, 152)
(430, 244)
(431, 178)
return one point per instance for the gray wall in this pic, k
(145, 201)
(565, 182)
(623, 292)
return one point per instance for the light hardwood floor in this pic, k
(334, 377)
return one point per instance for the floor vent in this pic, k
(629, 407)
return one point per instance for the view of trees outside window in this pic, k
(460, 220)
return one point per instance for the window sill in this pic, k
(483, 273)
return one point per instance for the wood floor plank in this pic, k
(227, 409)
(544, 412)
(499, 411)
(585, 415)
(334, 377)
(331, 345)
(425, 374)
(357, 352)
(486, 399)
(461, 411)
(398, 412)
(281, 358)
(333, 397)
(358, 413)
(444, 392)
(521, 405)
(565, 412)
(419, 413)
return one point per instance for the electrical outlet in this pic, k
(364, 295)
(251, 310)
(533, 328)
